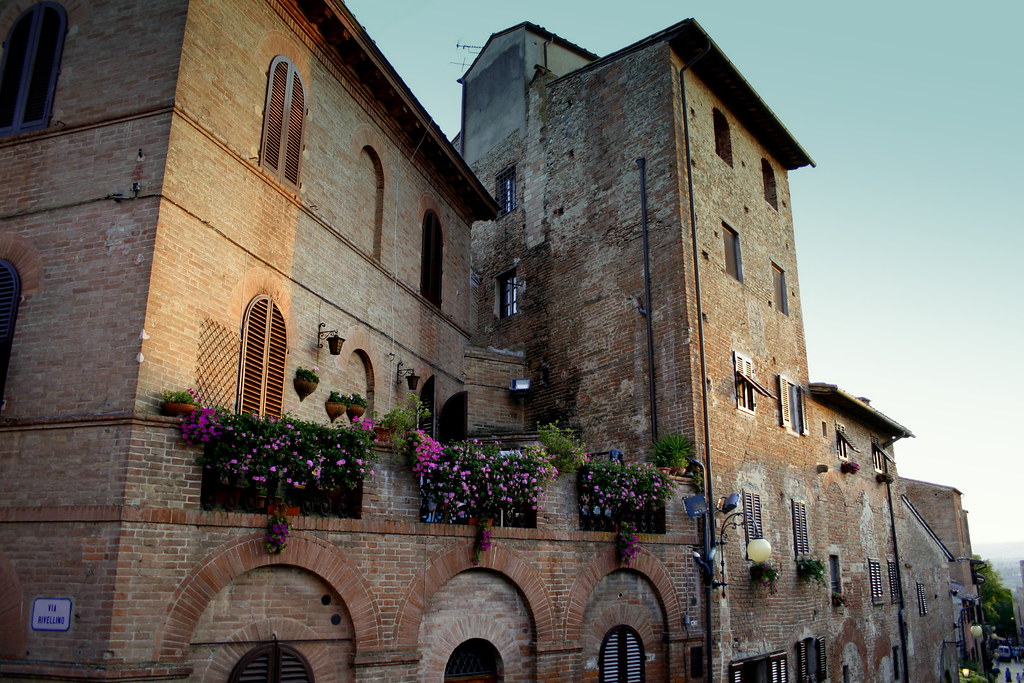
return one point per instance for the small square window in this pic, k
(506, 190)
(768, 177)
(508, 294)
(779, 284)
(878, 458)
(733, 258)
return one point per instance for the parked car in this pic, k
(1004, 653)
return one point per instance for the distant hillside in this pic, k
(1005, 558)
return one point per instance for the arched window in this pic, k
(283, 120)
(30, 65)
(723, 140)
(768, 177)
(264, 347)
(272, 663)
(622, 656)
(474, 661)
(10, 297)
(427, 399)
(433, 252)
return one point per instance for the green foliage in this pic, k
(996, 601)
(697, 477)
(335, 397)
(307, 374)
(353, 400)
(811, 569)
(765, 575)
(623, 489)
(178, 397)
(673, 450)
(403, 420)
(566, 451)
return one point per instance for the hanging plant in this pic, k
(883, 478)
(483, 540)
(811, 569)
(765, 575)
(849, 467)
(627, 543)
(278, 530)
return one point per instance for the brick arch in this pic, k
(276, 43)
(365, 136)
(444, 642)
(256, 281)
(604, 563)
(233, 559)
(850, 633)
(13, 626)
(442, 567)
(25, 258)
(429, 203)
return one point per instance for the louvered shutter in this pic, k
(744, 366)
(264, 349)
(293, 139)
(752, 515)
(736, 673)
(801, 542)
(894, 583)
(875, 579)
(822, 660)
(31, 62)
(622, 657)
(777, 670)
(10, 299)
(272, 663)
(801, 661)
(273, 123)
(786, 410)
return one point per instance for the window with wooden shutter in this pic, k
(747, 386)
(733, 254)
(801, 542)
(31, 61)
(778, 671)
(10, 299)
(810, 660)
(752, 515)
(894, 581)
(622, 656)
(875, 580)
(431, 260)
(822, 673)
(791, 407)
(283, 122)
(878, 459)
(779, 287)
(264, 349)
(272, 663)
(843, 443)
(922, 600)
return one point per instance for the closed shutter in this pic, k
(894, 581)
(284, 121)
(272, 663)
(801, 661)
(801, 543)
(622, 657)
(736, 673)
(875, 579)
(31, 62)
(264, 349)
(786, 416)
(822, 660)
(10, 299)
(752, 515)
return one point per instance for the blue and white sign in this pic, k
(51, 614)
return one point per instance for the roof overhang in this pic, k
(833, 396)
(346, 39)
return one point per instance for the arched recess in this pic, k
(272, 662)
(474, 661)
(359, 376)
(13, 627)
(443, 566)
(428, 399)
(603, 564)
(452, 423)
(233, 559)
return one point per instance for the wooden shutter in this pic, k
(31, 62)
(264, 349)
(802, 674)
(786, 416)
(272, 663)
(293, 139)
(875, 579)
(736, 673)
(822, 660)
(622, 657)
(778, 672)
(801, 543)
(10, 299)
(752, 515)
(273, 119)
(894, 582)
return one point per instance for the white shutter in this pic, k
(785, 414)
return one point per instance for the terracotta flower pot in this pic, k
(335, 409)
(177, 409)
(303, 387)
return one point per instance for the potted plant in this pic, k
(356, 406)
(398, 423)
(811, 569)
(306, 381)
(883, 478)
(567, 452)
(672, 452)
(765, 575)
(838, 599)
(176, 403)
(335, 405)
(849, 467)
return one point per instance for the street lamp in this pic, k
(976, 631)
(758, 549)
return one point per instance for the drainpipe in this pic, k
(902, 622)
(709, 516)
(648, 306)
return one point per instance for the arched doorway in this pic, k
(451, 424)
(474, 661)
(272, 663)
(622, 656)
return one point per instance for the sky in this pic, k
(907, 232)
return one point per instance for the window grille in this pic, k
(506, 190)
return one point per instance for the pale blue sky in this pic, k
(907, 231)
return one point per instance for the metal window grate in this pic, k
(506, 190)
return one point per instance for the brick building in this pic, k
(647, 301)
(198, 192)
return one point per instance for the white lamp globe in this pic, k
(976, 631)
(759, 550)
